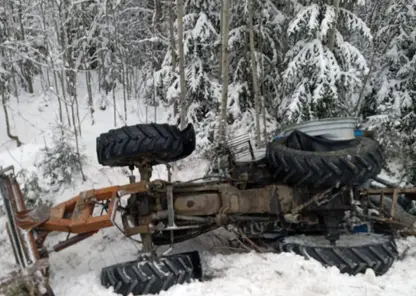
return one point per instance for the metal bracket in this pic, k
(13, 231)
(23, 242)
(318, 199)
(6, 169)
(171, 210)
(393, 204)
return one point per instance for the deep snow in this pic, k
(75, 271)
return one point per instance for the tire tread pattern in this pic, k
(378, 256)
(157, 142)
(350, 166)
(151, 276)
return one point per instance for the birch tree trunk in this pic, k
(254, 70)
(77, 143)
(172, 49)
(62, 77)
(114, 100)
(45, 40)
(89, 90)
(221, 34)
(25, 65)
(16, 89)
(76, 102)
(376, 11)
(172, 35)
(128, 82)
(261, 86)
(182, 96)
(264, 121)
(224, 73)
(331, 37)
(6, 117)
(123, 69)
(61, 117)
(72, 85)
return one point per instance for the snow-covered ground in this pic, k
(75, 271)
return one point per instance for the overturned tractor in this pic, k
(303, 194)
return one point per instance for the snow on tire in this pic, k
(155, 142)
(353, 253)
(350, 163)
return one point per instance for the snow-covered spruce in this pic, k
(391, 103)
(324, 72)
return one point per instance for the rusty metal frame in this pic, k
(389, 216)
(31, 259)
(17, 204)
(73, 216)
(76, 214)
(410, 193)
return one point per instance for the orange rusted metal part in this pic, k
(409, 192)
(394, 194)
(18, 205)
(77, 214)
(25, 219)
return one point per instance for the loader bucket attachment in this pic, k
(12, 229)
(23, 242)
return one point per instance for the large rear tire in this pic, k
(324, 164)
(353, 254)
(151, 276)
(153, 143)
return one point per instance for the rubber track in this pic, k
(350, 260)
(350, 166)
(146, 276)
(156, 142)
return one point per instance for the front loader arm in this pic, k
(28, 229)
(76, 214)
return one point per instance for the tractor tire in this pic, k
(151, 143)
(151, 276)
(353, 254)
(349, 163)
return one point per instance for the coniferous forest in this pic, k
(271, 63)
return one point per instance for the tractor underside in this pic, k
(272, 200)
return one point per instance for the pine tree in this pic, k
(394, 86)
(324, 69)
(269, 45)
(201, 35)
